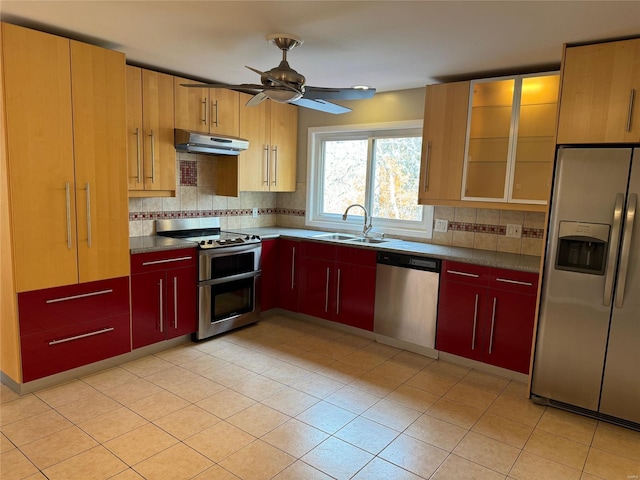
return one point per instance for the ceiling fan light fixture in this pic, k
(361, 87)
(282, 96)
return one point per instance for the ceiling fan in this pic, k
(284, 85)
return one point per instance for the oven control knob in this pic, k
(247, 237)
(202, 242)
(210, 242)
(255, 237)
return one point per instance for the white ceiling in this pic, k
(391, 45)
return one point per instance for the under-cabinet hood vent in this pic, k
(192, 142)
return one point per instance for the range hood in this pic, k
(192, 142)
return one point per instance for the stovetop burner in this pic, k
(205, 231)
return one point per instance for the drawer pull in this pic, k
(464, 274)
(82, 295)
(515, 282)
(475, 323)
(84, 335)
(168, 260)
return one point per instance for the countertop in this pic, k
(511, 261)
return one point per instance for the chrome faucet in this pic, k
(367, 228)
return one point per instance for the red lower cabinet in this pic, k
(269, 277)
(288, 274)
(487, 314)
(67, 327)
(163, 295)
(338, 283)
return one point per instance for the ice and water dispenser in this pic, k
(582, 247)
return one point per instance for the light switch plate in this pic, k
(514, 230)
(441, 225)
(254, 212)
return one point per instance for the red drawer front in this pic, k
(152, 261)
(365, 257)
(514, 281)
(325, 251)
(53, 308)
(465, 273)
(46, 353)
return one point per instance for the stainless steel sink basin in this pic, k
(336, 236)
(367, 240)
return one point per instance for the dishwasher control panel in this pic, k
(409, 261)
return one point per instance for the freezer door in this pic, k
(590, 185)
(621, 384)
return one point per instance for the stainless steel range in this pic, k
(228, 270)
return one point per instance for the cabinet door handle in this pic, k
(138, 155)
(293, 266)
(475, 323)
(265, 162)
(275, 165)
(161, 306)
(613, 250)
(84, 335)
(175, 302)
(88, 215)
(153, 158)
(632, 98)
(493, 322)
(426, 166)
(338, 294)
(204, 111)
(326, 293)
(464, 274)
(82, 295)
(626, 248)
(68, 199)
(167, 260)
(515, 282)
(215, 104)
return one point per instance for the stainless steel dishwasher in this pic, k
(406, 305)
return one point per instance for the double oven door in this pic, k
(227, 288)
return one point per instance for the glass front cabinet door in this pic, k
(511, 139)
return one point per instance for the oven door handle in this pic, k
(230, 278)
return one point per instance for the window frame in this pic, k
(355, 221)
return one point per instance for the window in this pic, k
(377, 166)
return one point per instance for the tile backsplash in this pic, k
(478, 228)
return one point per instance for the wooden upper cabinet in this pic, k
(100, 150)
(600, 93)
(206, 110)
(150, 126)
(269, 164)
(445, 126)
(65, 132)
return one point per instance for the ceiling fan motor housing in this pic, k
(284, 73)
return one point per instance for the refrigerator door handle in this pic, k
(613, 250)
(626, 248)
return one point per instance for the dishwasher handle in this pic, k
(409, 261)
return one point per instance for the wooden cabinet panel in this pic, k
(134, 128)
(487, 314)
(225, 112)
(288, 273)
(37, 82)
(283, 145)
(445, 126)
(598, 87)
(98, 95)
(163, 295)
(66, 152)
(269, 276)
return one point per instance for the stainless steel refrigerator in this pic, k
(587, 353)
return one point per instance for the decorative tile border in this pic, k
(527, 232)
(244, 212)
(188, 173)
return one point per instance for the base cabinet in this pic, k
(338, 283)
(288, 274)
(66, 327)
(163, 295)
(487, 314)
(269, 277)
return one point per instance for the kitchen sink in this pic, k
(367, 240)
(336, 236)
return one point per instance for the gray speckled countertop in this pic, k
(511, 261)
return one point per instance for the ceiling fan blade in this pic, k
(243, 86)
(320, 105)
(256, 99)
(320, 93)
(275, 80)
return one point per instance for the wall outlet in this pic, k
(254, 212)
(441, 225)
(514, 230)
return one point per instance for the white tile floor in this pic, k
(286, 399)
